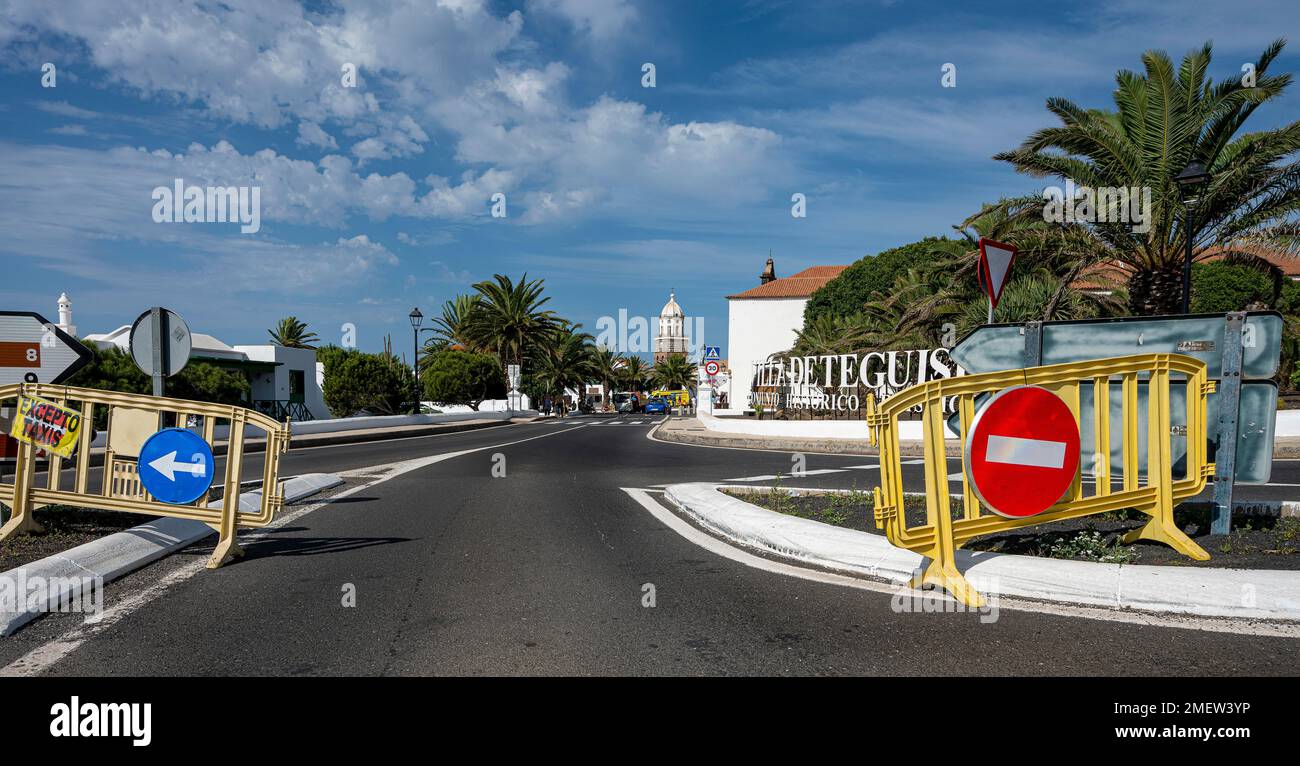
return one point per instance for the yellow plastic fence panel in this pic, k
(119, 487)
(1155, 495)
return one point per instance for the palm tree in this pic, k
(674, 372)
(1164, 120)
(509, 320)
(290, 333)
(633, 373)
(607, 366)
(451, 329)
(567, 362)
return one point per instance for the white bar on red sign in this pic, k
(1038, 453)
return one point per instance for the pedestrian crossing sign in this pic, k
(712, 353)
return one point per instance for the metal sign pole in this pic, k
(161, 348)
(1033, 356)
(1225, 458)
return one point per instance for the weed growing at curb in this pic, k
(1091, 545)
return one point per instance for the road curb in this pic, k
(1231, 593)
(707, 438)
(121, 553)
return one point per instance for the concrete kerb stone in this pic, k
(1231, 593)
(113, 556)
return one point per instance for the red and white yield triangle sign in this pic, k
(995, 264)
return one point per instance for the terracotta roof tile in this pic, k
(1289, 265)
(1105, 275)
(800, 285)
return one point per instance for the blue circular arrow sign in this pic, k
(176, 466)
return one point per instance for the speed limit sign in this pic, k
(711, 368)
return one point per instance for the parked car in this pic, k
(657, 406)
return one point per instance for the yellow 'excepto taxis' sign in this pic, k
(46, 425)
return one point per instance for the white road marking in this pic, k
(788, 475)
(51, 652)
(1013, 450)
(727, 551)
(863, 467)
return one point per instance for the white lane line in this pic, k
(727, 551)
(770, 477)
(54, 650)
(863, 467)
(1035, 453)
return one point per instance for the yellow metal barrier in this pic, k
(120, 488)
(941, 534)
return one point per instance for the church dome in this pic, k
(671, 309)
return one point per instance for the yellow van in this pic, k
(678, 398)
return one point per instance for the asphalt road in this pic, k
(544, 571)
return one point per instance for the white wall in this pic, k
(757, 327)
(275, 385)
(1287, 423)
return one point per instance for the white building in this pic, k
(765, 320)
(285, 382)
(672, 331)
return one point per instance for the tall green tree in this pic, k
(847, 293)
(606, 366)
(633, 373)
(1163, 119)
(291, 333)
(112, 369)
(510, 320)
(567, 362)
(454, 376)
(674, 372)
(356, 381)
(451, 329)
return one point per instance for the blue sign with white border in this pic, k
(712, 353)
(176, 466)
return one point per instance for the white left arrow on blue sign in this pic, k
(168, 465)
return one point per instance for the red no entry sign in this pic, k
(1022, 452)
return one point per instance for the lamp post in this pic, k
(416, 318)
(1192, 177)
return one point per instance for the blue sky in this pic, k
(377, 198)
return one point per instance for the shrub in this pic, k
(463, 377)
(356, 381)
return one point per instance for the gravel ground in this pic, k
(65, 527)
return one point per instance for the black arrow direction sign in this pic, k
(34, 350)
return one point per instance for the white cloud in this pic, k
(602, 19)
(453, 65)
(270, 267)
(64, 109)
(311, 134)
(73, 202)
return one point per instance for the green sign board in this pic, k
(1240, 351)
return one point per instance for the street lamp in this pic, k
(1192, 177)
(416, 318)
